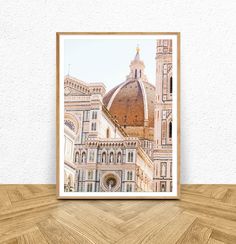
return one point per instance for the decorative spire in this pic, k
(137, 53)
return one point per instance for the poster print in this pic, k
(118, 115)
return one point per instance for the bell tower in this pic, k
(163, 117)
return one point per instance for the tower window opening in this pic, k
(170, 129)
(108, 133)
(171, 85)
(140, 73)
(135, 76)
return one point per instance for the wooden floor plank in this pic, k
(20, 207)
(15, 196)
(208, 202)
(214, 191)
(95, 229)
(20, 224)
(145, 232)
(196, 234)
(11, 241)
(214, 241)
(72, 224)
(5, 202)
(29, 193)
(145, 216)
(33, 237)
(13, 234)
(230, 197)
(55, 232)
(216, 223)
(108, 218)
(211, 210)
(172, 232)
(227, 237)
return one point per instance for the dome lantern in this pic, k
(137, 67)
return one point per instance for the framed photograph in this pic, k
(118, 115)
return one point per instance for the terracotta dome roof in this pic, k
(132, 103)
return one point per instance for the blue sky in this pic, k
(107, 61)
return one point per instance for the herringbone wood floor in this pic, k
(32, 214)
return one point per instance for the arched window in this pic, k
(163, 169)
(111, 157)
(83, 157)
(108, 133)
(171, 85)
(70, 183)
(129, 188)
(86, 115)
(170, 129)
(78, 175)
(69, 180)
(156, 171)
(65, 182)
(93, 126)
(118, 160)
(163, 186)
(91, 156)
(90, 175)
(77, 157)
(129, 175)
(89, 187)
(140, 73)
(135, 76)
(130, 157)
(94, 115)
(103, 157)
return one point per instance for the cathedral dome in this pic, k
(131, 103)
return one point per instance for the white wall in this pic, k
(27, 71)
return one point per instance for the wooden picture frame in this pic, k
(104, 150)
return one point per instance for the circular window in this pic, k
(110, 182)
